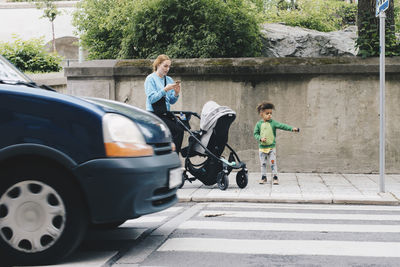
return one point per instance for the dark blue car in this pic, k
(68, 162)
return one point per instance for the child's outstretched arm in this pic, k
(283, 126)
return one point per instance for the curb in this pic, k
(381, 199)
(351, 189)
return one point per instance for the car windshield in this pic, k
(10, 73)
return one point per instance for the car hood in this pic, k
(153, 128)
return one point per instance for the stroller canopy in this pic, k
(210, 114)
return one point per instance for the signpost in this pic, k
(381, 6)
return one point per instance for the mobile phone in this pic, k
(178, 81)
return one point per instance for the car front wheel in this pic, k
(42, 218)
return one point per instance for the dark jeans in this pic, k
(176, 130)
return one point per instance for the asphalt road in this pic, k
(249, 234)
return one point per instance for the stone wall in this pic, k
(55, 80)
(334, 101)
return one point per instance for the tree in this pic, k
(50, 12)
(368, 7)
(101, 25)
(179, 28)
(193, 29)
(319, 15)
(368, 30)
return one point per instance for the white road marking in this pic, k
(172, 209)
(294, 215)
(283, 247)
(298, 227)
(150, 218)
(138, 254)
(144, 219)
(304, 206)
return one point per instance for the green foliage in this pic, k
(194, 29)
(30, 56)
(50, 10)
(101, 25)
(368, 39)
(397, 15)
(258, 5)
(347, 13)
(320, 15)
(181, 29)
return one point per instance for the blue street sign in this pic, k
(381, 6)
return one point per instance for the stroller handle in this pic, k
(186, 113)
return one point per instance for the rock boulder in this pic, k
(286, 41)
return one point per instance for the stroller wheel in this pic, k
(222, 180)
(242, 179)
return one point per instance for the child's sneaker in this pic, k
(275, 180)
(263, 180)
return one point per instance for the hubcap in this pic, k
(32, 216)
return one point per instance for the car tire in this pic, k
(42, 215)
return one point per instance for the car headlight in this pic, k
(122, 137)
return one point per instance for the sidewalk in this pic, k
(314, 188)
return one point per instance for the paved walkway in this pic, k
(301, 188)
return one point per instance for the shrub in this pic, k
(181, 29)
(320, 15)
(100, 25)
(397, 15)
(368, 41)
(194, 29)
(30, 55)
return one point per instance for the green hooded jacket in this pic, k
(267, 129)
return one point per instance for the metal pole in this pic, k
(382, 17)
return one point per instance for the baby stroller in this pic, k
(209, 142)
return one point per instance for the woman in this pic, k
(161, 93)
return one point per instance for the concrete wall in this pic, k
(55, 80)
(335, 102)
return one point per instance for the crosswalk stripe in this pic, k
(150, 218)
(283, 247)
(172, 209)
(144, 219)
(304, 206)
(294, 215)
(299, 227)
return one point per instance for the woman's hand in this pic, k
(174, 86)
(177, 88)
(169, 87)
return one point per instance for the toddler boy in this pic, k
(265, 133)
